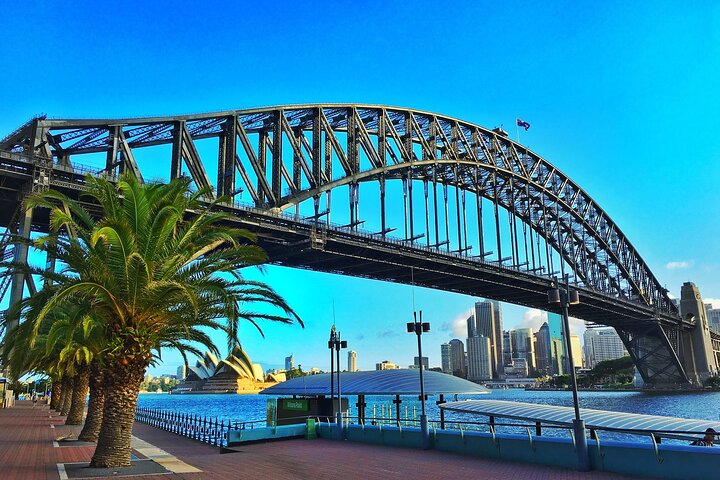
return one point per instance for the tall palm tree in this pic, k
(158, 269)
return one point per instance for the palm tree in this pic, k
(158, 269)
(82, 343)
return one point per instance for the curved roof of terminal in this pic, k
(377, 382)
(593, 418)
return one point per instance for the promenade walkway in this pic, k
(27, 453)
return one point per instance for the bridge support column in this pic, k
(21, 255)
(698, 357)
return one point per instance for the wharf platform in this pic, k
(28, 451)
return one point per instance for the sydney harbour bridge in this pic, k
(386, 193)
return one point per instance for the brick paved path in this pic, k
(27, 453)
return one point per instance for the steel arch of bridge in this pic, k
(287, 156)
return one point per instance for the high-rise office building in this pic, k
(289, 363)
(182, 372)
(521, 341)
(576, 351)
(507, 349)
(487, 322)
(446, 358)
(602, 344)
(479, 361)
(542, 350)
(557, 344)
(713, 316)
(352, 361)
(458, 357)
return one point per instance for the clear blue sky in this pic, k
(621, 96)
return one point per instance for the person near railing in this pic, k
(707, 440)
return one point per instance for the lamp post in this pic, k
(331, 346)
(336, 344)
(418, 328)
(564, 297)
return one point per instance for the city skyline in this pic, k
(605, 107)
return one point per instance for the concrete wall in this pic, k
(670, 462)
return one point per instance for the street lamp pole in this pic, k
(336, 344)
(418, 327)
(566, 297)
(331, 346)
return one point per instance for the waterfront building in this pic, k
(487, 322)
(182, 372)
(234, 374)
(521, 341)
(557, 344)
(518, 368)
(446, 358)
(425, 362)
(386, 365)
(602, 344)
(289, 363)
(352, 361)
(458, 358)
(479, 359)
(543, 362)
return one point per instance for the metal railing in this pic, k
(201, 428)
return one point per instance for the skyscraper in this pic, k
(479, 361)
(542, 350)
(521, 341)
(576, 351)
(446, 358)
(713, 316)
(487, 322)
(352, 361)
(458, 357)
(557, 344)
(602, 344)
(507, 349)
(289, 363)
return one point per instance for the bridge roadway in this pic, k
(299, 243)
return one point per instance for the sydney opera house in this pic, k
(235, 374)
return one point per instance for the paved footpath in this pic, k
(27, 453)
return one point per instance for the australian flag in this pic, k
(522, 123)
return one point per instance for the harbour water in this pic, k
(252, 407)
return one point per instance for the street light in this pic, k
(331, 346)
(564, 297)
(336, 344)
(418, 328)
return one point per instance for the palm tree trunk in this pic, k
(77, 405)
(56, 393)
(68, 387)
(91, 429)
(122, 384)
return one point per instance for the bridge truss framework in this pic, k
(481, 214)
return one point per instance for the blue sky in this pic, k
(621, 96)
